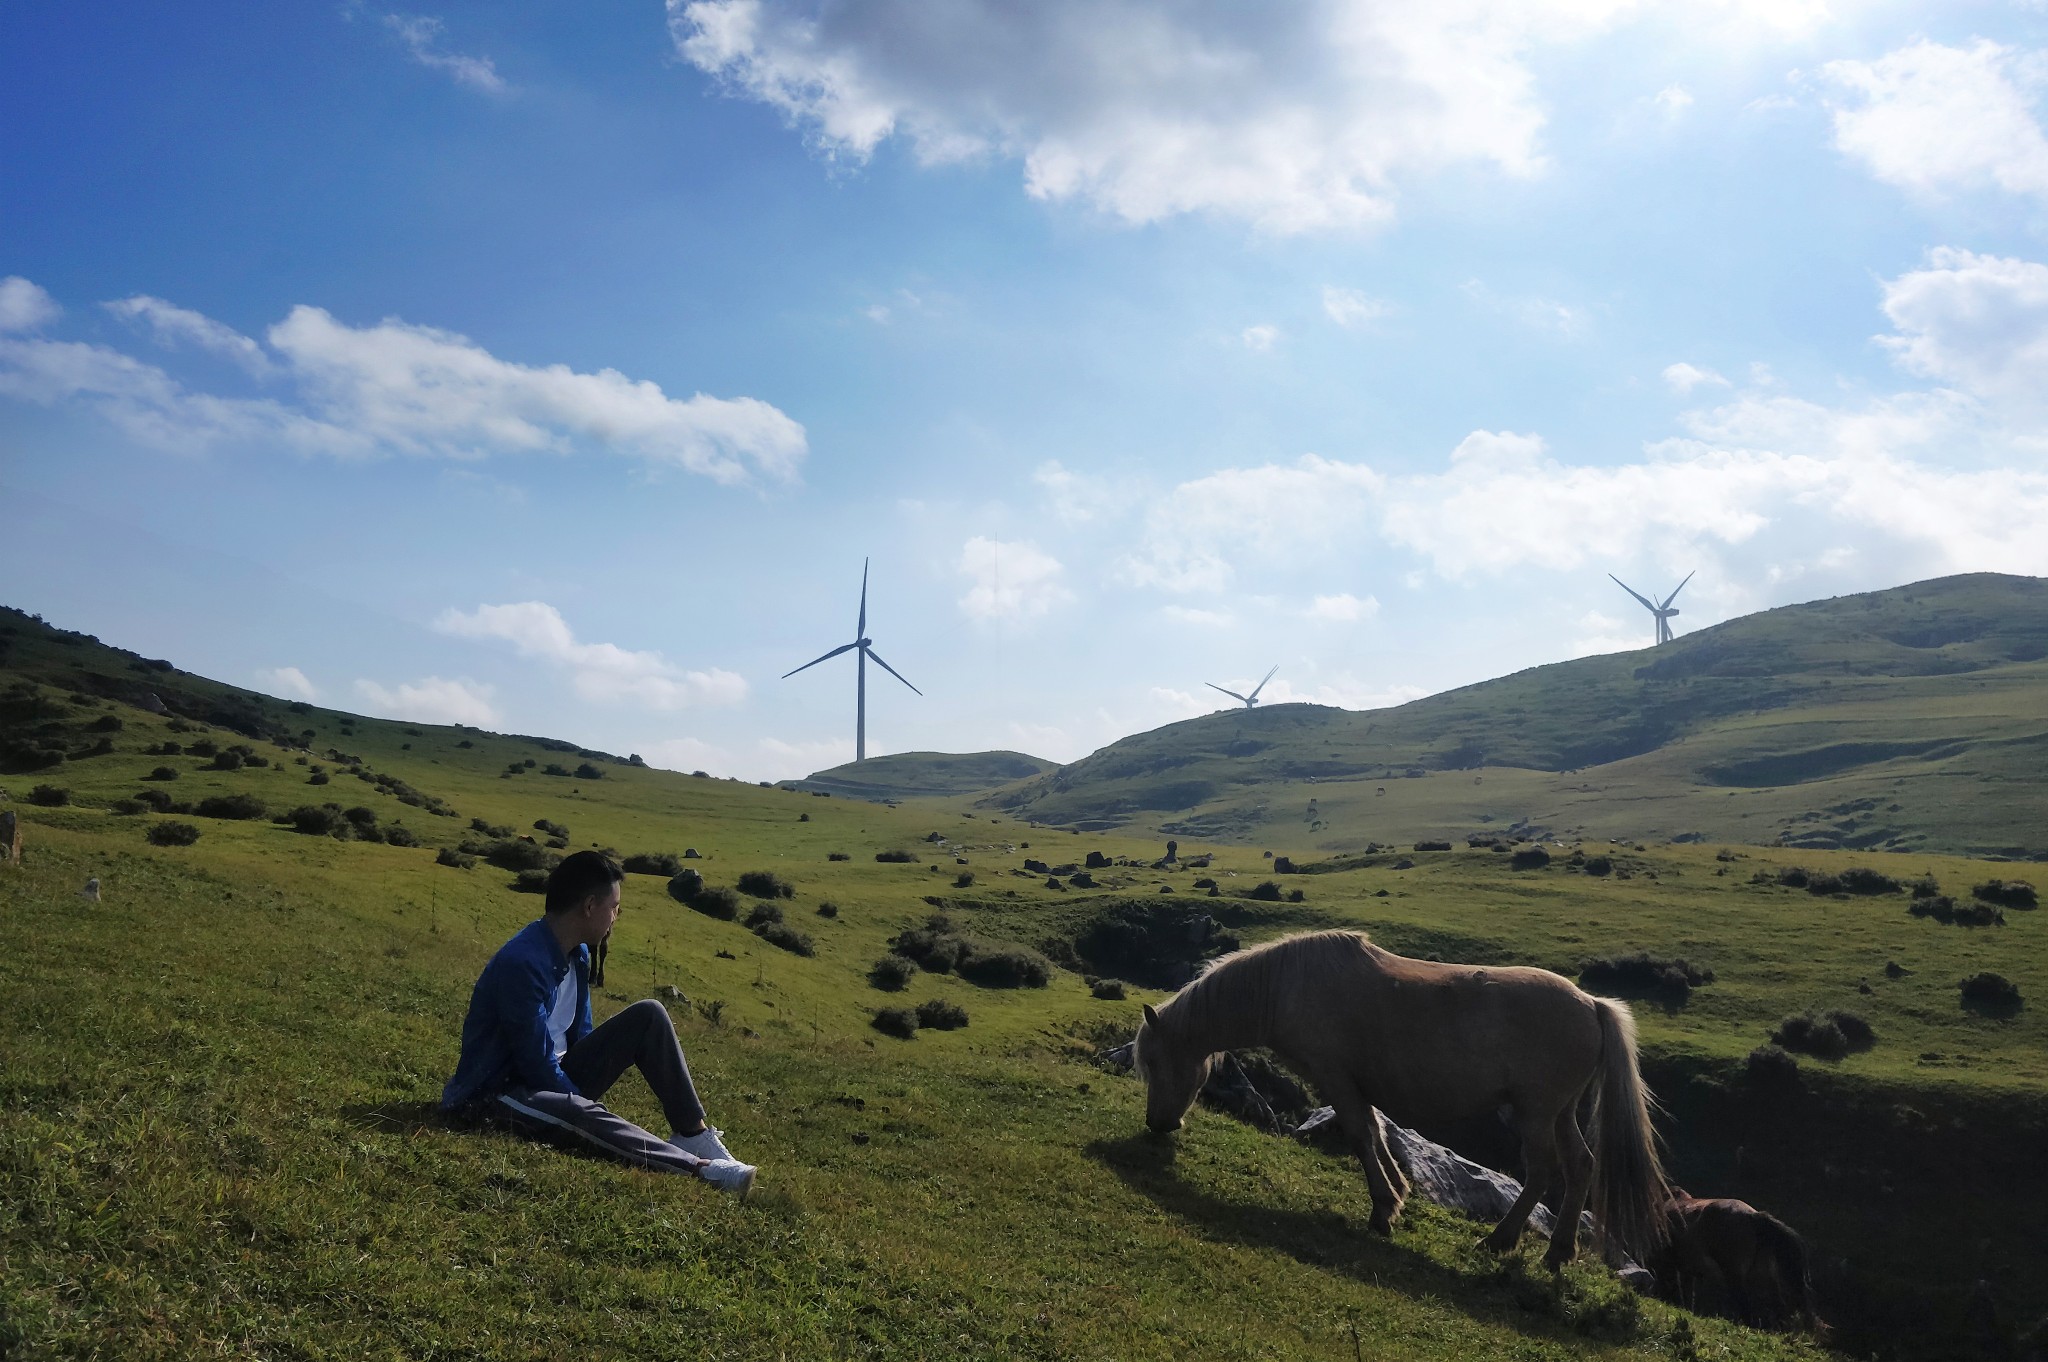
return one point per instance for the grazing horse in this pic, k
(1758, 1260)
(1427, 1042)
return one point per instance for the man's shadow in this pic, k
(400, 1118)
(1514, 1295)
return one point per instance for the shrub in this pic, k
(585, 771)
(238, 806)
(1598, 865)
(155, 799)
(651, 863)
(228, 760)
(320, 820)
(1296, 896)
(2006, 893)
(1825, 1035)
(1991, 993)
(900, 1022)
(1432, 846)
(127, 806)
(828, 910)
(454, 859)
(550, 828)
(49, 796)
(1771, 1067)
(894, 857)
(1010, 967)
(891, 973)
(1643, 975)
(1942, 908)
(168, 749)
(1529, 858)
(515, 854)
(1863, 880)
(787, 937)
(1283, 865)
(837, 856)
(488, 829)
(1926, 887)
(163, 773)
(1109, 990)
(685, 885)
(762, 914)
(552, 769)
(763, 885)
(205, 747)
(530, 882)
(965, 880)
(361, 817)
(399, 835)
(719, 902)
(318, 778)
(1266, 891)
(940, 1015)
(173, 834)
(106, 723)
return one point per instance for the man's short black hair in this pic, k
(581, 875)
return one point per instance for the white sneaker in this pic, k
(729, 1175)
(705, 1144)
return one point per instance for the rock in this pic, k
(91, 890)
(150, 702)
(690, 854)
(1097, 861)
(671, 993)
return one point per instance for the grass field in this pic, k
(217, 1082)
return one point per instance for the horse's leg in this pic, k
(1369, 1143)
(1539, 1165)
(1577, 1165)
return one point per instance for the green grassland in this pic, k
(217, 1133)
(1910, 719)
(925, 775)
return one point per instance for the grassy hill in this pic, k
(1908, 719)
(217, 1131)
(920, 775)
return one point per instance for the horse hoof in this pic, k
(1493, 1243)
(1383, 1228)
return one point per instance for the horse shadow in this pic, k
(1512, 1294)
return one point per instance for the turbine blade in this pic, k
(816, 660)
(889, 669)
(861, 630)
(1262, 684)
(1231, 693)
(1647, 605)
(1680, 587)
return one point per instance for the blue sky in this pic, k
(554, 368)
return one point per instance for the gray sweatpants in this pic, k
(641, 1035)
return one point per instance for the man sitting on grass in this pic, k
(530, 1058)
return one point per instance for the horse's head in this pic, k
(1173, 1074)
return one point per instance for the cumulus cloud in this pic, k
(1010, 580)
(1930, 118)
(1274, 512)
(602, 672)
(1342, 608)
(431, 700)
(24, 306)
(288, 682)
(1260, 337)
(171, 325)
(1349, 307)
(1979, 322)
(389, 388)
(1530, 310)
(1682, 378)
(420, 34)
(1199, 618)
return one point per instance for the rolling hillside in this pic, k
(925, 775)
(1908, 719)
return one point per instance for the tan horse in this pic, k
(1427, 1043)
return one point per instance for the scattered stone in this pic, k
(91, 890)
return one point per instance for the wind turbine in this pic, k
(862, 642)
(1250, 701)
(1663, 612)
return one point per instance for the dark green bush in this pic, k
(585, 771)
(321, 820)
(552, 829)
(229, 760)
(168, 749)
(828, 909)
(1825, 1035)
(1643, 975)
(530, 882)
(127, 807)
(761, 914)
(205, 747)
(238, 806)
(652, 863)
(1296, 896)
(2006, 893)
(891, 973)
(1770, 1066)
(454, 859)
(1992, 994)
(488, 829)
(155, 799)
(163, 773)
(965, 880)
(894, 857)
(763, 885)
(1432, 846)
(318, 778)
(398, 835)
(1942, 908)
(1598, 865)
(899, 1022)
(1109, 990)
(720, 902)
(837, 856)
(787, 937)
(1529, 858)
(106, 723)
(1006, 967)
(685, 885)
(49, 796)
(1266, 891)
(553, 769)
(940, 1015)
(515, 853)
(173, 834)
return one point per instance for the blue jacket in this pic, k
(505, 1035)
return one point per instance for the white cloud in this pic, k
(288, 682)
(1672, 100)
(171, 325)
(1530, 310)
(1200, 619)
(1350, 308)
(1343, 608)
(421, 35)
(791, 759)
(602, 672)
(1344, 692)
(1260, 337)
(24, 306)
(1079, 498)
(431, 700)
(1929, 118)
(1010, 580)
(1602, 633)
(1979, 322)
(1272, 513)
(1683, 378)
(391, 387)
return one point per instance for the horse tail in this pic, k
(1629, 1186)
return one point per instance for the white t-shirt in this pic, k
(563, 1015)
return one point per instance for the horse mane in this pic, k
(1261, 978)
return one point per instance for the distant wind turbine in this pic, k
(862, 642)
(1250, 701)
(1663, 612)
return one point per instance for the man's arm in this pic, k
(522, 1000)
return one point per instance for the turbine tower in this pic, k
(1663, 612)
(862, 642)
(1250, 701)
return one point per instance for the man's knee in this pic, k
(650, 1013)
